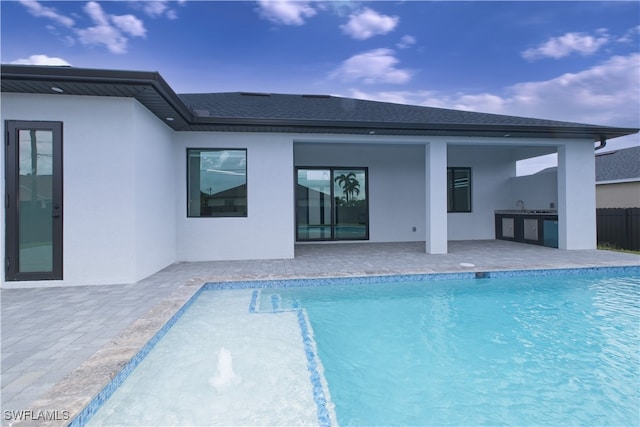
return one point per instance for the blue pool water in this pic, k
(546, 350)
(519, 351)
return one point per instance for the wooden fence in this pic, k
(619, 227)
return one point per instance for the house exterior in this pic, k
(112, 176)
(618, 179)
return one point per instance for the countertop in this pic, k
(527, 212)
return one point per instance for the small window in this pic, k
(216, 183)
(459, 189)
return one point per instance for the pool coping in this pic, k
(76, 398)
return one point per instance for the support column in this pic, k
(576, 196)
(435, 167)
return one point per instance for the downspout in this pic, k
(603, 143)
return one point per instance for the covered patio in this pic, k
(47, 333)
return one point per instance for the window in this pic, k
(216, 183)
(459, 189)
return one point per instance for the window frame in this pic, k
(188, 185)
(450, 188)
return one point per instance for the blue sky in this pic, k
(574, 61)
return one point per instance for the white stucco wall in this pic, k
(115, 161)
(538, 191)
(268, 230)
(576, 196)
(396, 183)
(98, 196)
(491, 169)
(155, 193)
(437, 235)
(391, 167)
(125, 188)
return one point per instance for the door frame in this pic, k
(12, 207)
(331, 170)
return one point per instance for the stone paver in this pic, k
(49, 332)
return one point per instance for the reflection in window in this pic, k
(217, 183)
(459, 189)
(351, 218)
(332, 204)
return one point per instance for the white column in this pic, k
(576, 196)
(435, 166)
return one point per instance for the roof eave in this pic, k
(63, 76)
(150, 89)
(585, 132)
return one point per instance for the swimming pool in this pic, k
(552, 349)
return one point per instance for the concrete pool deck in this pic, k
(49, 333)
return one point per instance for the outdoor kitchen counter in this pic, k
(535, 226)
(527, 212)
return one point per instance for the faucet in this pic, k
(521, 203)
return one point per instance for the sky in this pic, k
(575, 61)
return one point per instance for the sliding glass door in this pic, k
(331, 204)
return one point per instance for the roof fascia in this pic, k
(619, 181)
(86, 75)
(570, 132)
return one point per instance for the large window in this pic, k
(216, 183)
(459, 189)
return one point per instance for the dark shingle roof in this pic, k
(242, 112)
(616, 165)
(338, 109)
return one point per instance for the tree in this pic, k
(350, 185)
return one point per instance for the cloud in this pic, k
(40, 11)
(606, 94)
(130, 25)
(406, 42)
(559, 47)
(155, 8)
(109, 29)
(41, 60)
(158, 8)
(374, 66)
(628, 37)
(368, 23)
(286, 12)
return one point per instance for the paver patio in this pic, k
(49, 332)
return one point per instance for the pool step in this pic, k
(276, 302)
(270, 303)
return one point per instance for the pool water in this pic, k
(556, 350)
(219, 365)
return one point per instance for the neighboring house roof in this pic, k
(619, 165)
(251, 112)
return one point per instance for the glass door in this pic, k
(331, 204)
(34, 201)
(351, 220)
(313, 205)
